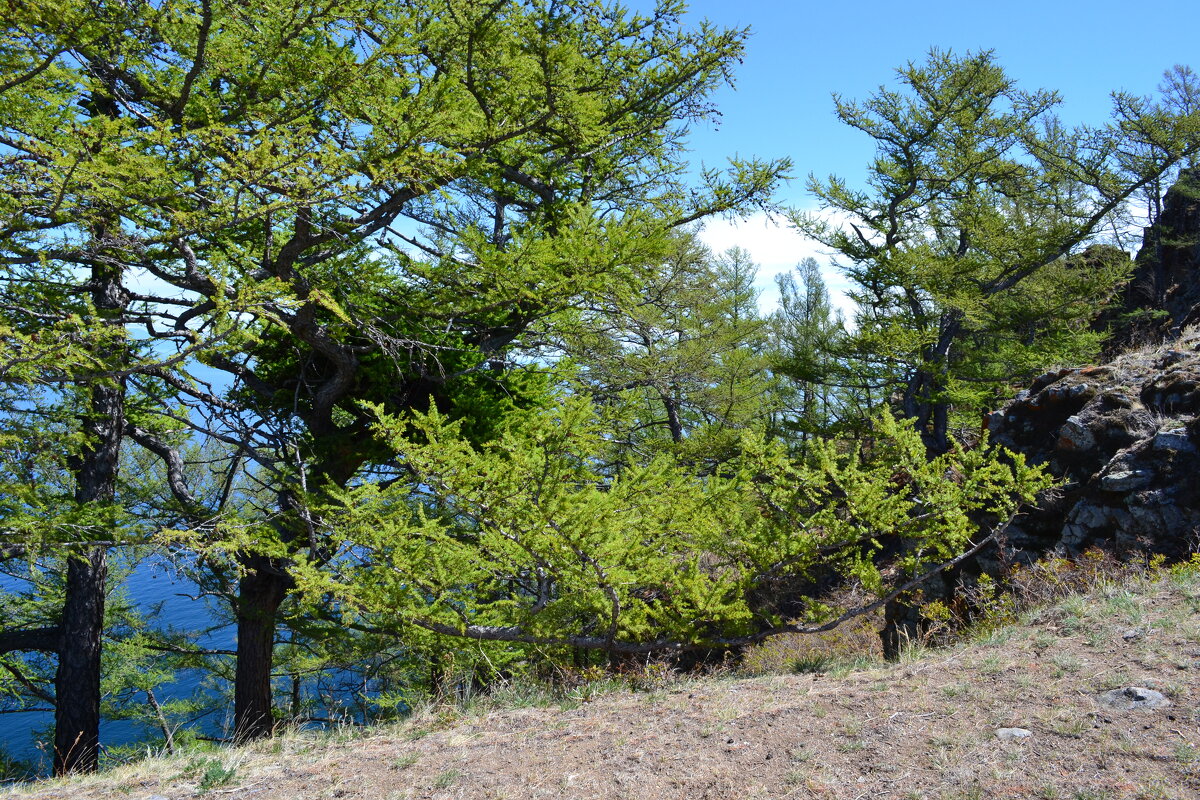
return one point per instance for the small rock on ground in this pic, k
(1010, 734)
(1134, 698)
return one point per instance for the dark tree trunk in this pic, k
(923, 400)
(260, 594)
(77, 681)
(673, 421)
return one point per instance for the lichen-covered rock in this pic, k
(1163, 294)
(1125, 440)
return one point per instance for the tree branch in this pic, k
(45, 640)
(517, 634)
(30, 686)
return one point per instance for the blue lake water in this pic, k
(170, 602)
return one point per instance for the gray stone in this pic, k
(1075, 435)
(1090, 516)
(1126, 480)
(1160, 519)
(1059, 391)
(1120, 519)
(1012, 734)
(1174, 440)
(1126, 453)
(1154, 497)
(1073, 535)
(1149, 518)
(1133, 698)
(1173, 357)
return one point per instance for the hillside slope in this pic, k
(922, 728)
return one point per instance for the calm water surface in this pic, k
(164, 596)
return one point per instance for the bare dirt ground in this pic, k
(922, 728)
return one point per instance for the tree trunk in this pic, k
(77, 681)
(924, 400)
(673, 422)
(260, 594)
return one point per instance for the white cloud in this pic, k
(776, 247)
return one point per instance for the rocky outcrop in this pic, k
(1163, 294)
(1125, 440)
(1124, 437)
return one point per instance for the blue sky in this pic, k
(800, 53)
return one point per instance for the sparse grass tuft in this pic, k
(795, 777)
(856, 642)
(446, 779)
(213, 774)
(405, 761)
(1067, 662)
(1186, 754)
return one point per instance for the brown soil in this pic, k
(921, 728)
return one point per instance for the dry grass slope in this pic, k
(921, 728)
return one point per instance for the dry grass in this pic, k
(1188, 338)
(921, 728)
(855, 643)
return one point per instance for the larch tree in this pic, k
(958, 244)
(806, 337)
(531, 539)
(679, 357)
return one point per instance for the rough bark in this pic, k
(260, 594)
(77, 680)
(923, 399)
(262, 590)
